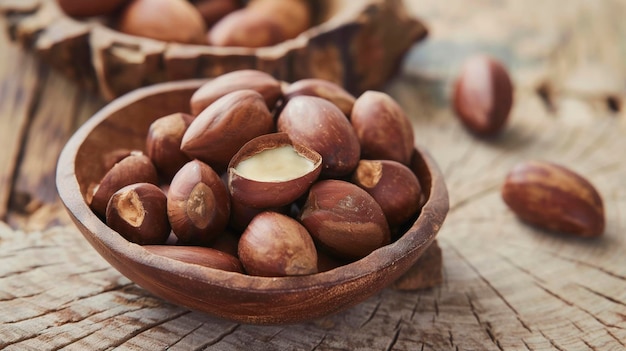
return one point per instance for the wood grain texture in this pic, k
(506, 285)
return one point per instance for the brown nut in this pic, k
(320, 125)
(223, 128)
(138, 212)
(553, 197)
(163, 144)
(383, 129)
(82, 8)
(277, 245)
(272, 171)
(213, 10)
(167, 20)
(344, 219)
(241, 215)
(483, 95)
(203, 256)
(135, 168)
(246, 28)
(259, 81)
(292, 16)
(393, 185)
(198, 204)
(323, 89)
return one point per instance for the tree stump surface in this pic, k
(506, 285)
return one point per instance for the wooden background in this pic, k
(507, 286)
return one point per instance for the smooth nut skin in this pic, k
(139, 213)
(167, 20)
(135, 168)
(246, 28)
(323, 89)
(383, 129)
(82, 8)
(320, 125)
(225, 126)
(292, 16)
(555, 198)
(259, 81)
(163, 144)
(275, 245)
(271, 193)
(344, 219)
(198, 204)
(203, 256)
(394, 187)
(483, 95)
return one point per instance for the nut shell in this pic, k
(163, 144)
(139, 213)
(320, 125)
(167, 20)
(259, 81)
(217, 133)
(324, 89)
(246, 28)
(203, 256)
(82, 8)
(277, 245)
(198, 204)
(555, 198)
(134, 168)
(394, 187)
(483, 95)
(344, 219)
(271, 193)
(383, 128)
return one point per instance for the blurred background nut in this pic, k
(167, 20)
(83, 8)
(213, 10)
(483, 95)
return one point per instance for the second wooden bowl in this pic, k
(235, 296)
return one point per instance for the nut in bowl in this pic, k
(231, 294)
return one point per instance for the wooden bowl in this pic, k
(249, 299)
(358, 44)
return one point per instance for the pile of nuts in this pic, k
(267, 178)
(544, 194)
(236, 23)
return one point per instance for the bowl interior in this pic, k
(123, 124)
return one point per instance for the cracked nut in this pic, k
(198, 204)
(138, 212)
(134, 168)
(555, 198)
(394, 187)
(483, 95)
(277, 245)
(272, 171)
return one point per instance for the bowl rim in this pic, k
(421, 233)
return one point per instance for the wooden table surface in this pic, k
(507, 286)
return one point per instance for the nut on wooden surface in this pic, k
(555, 198)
